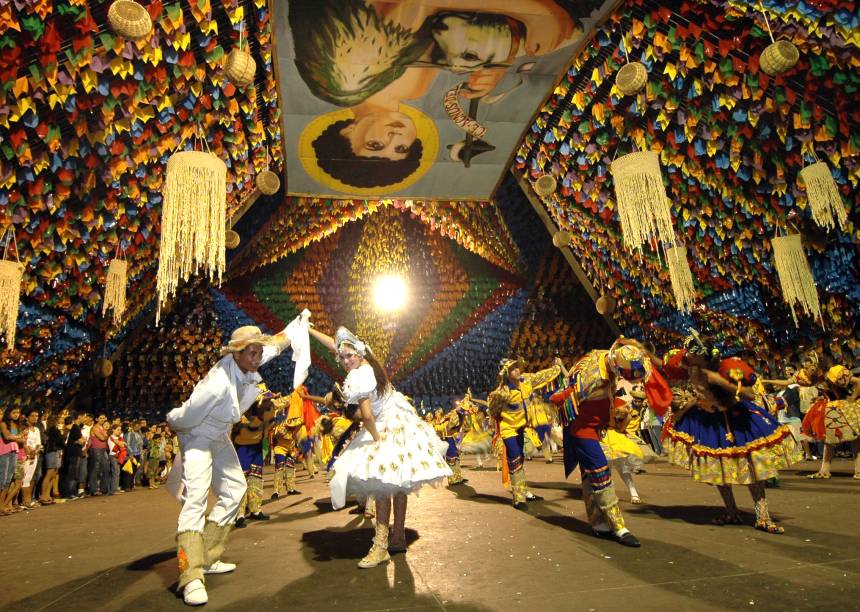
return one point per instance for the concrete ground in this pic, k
(469, 550)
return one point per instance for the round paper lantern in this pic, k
(605, 305)
(129, 19)
(631, 78)
(561, 239)
(231, 239)
(268, 182)
(779, 57)
(545, 185)
(103, 368)
(240, 67)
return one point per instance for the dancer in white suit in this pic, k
(394, 453)
(203, 424)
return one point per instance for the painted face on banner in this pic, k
(465, 45)
(386, 134)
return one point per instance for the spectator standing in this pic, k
(32, 449)
(118, 454)
(134, 443)
(83, 464)
(55, 444)
(98, 463)
(72, 456)
(10, 441)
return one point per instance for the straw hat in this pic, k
(243, 336)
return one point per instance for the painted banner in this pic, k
(417, 98)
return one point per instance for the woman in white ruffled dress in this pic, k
(394, 453)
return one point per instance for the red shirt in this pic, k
(591, 416)
(94, 441)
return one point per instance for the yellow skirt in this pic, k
(618, 446)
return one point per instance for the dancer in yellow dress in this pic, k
(509, 406)
(835, 418)
(477, 440)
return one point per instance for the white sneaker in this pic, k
(194, 593)
(219, 567)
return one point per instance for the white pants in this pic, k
(208, 463)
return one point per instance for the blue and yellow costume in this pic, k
(291, 444)
(509, 405)
(477, 440)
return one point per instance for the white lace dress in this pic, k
(408, 456)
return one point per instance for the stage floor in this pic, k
(469, 550)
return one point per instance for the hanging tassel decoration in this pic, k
(795, 277)
(115, 288)
(11, 273)
(643, 207)
(193, 223)
(682, 278)
(828, 211)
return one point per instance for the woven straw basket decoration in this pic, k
(631, 78)
(240, 67)
(129, 19)
(779, 57)
(605, 305)
(231, 239)
(561, 239)
(268, 182)
(103, 368)
(545, 185)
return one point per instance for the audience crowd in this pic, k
(49, 457)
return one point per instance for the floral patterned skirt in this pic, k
(742, 445)
(833, 422)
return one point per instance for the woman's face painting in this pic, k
(386, 134)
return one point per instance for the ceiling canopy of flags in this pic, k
(88, 120)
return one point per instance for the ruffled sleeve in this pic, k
(360, 383)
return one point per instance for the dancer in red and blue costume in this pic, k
(592, 391)
(719, 433)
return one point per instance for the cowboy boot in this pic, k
(214, 543)
(379, 551)
(595, 517)
(190, 555)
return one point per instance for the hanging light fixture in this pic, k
(115, 287)
(11, 273)
(192, 221)
(828, 211)
(681, 278)
(643, 208)
(795, 277)
(780, 55)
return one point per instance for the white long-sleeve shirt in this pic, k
(219, 400)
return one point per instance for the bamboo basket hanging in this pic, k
(130, 20)
(605, 305)
(779, 57)
(11, 274)
(561, 239)
(268, 182)
(631, 78)
(232, 239)
(545, 185)
(239, 66)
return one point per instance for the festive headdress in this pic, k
(674, 366)
(509, 364)
(344, 336)
(694, 345)
(629, 362)
(839, 375)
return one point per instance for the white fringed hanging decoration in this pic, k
(823, 196)
(643, 207)
(795, 277)
(681, 277)
(11, 273)
(115, 287)
(193, 224)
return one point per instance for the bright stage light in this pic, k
(390, 292)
